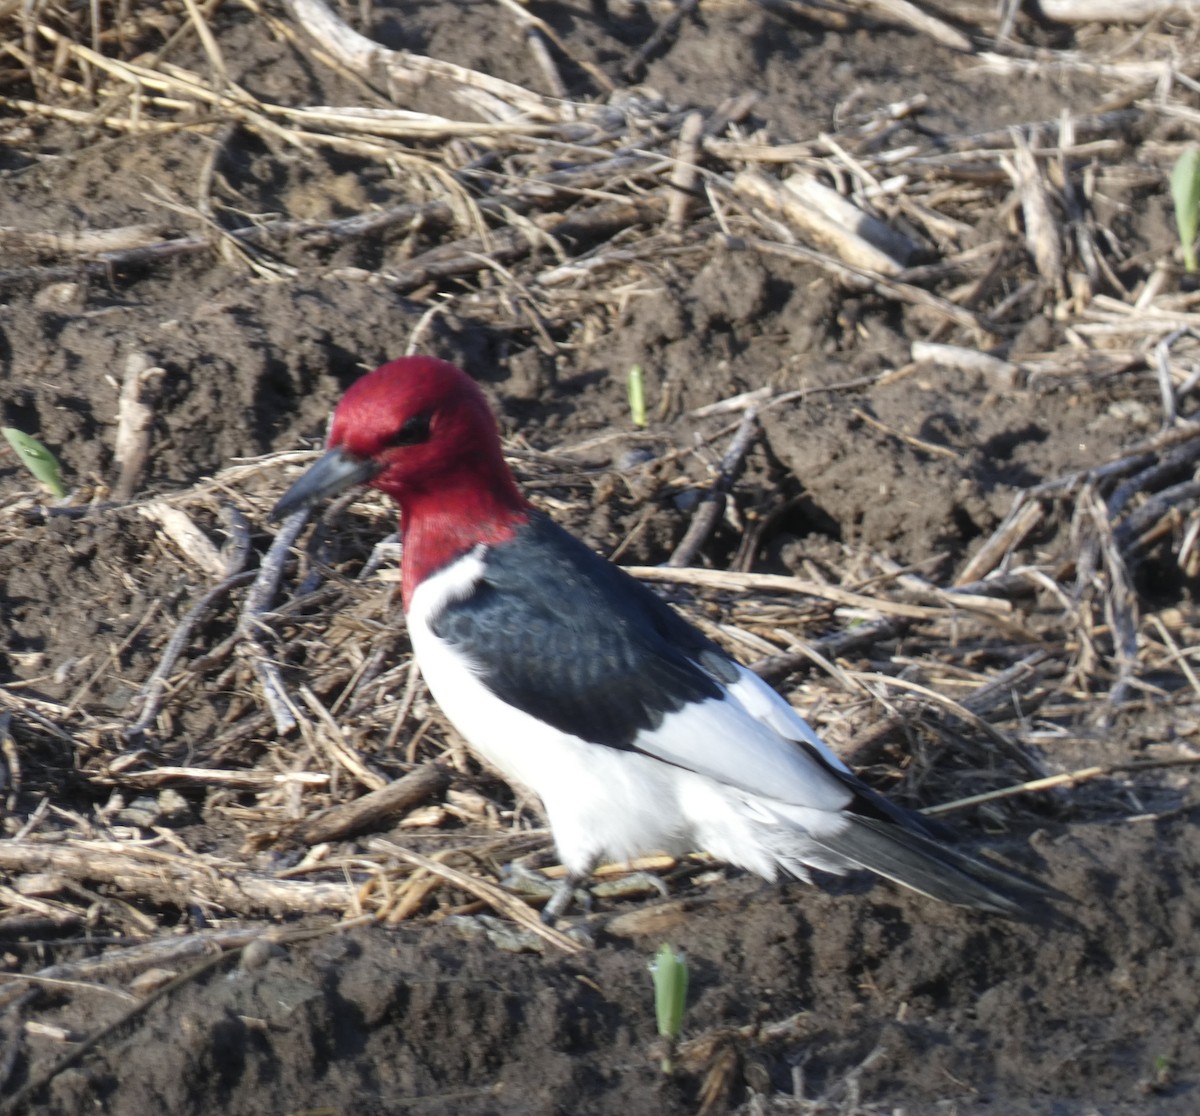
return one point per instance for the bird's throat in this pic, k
(436, 528)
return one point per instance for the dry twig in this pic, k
(375, 809)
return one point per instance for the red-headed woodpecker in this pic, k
(638, 733)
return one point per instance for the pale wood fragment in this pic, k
(401, 68)
(683, 177)
(815, 223)
(192, 543)
(1041, 227)
(1008, 535)
(1003, 373)
(162, 877)
(1114, 11)
(842, 210)
(376, 809)
(135, 416)
(85, 242)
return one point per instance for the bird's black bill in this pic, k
(333, 473)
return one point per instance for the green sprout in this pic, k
(1185, 192)
(637, 395)
(37, 459)
(670, 973)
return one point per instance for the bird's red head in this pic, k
(423, 424)
(420, 430)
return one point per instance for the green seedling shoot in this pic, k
(637, 395)
(37, 459)
(1185, 192)
(670, 973)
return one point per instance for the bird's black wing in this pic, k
(573, 640)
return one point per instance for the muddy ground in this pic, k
(848, 996)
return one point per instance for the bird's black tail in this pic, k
(922, 862)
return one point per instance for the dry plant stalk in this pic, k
(1023, 518)
(376, 808)
(1041, 227)
(179, 527)
(496, 98)
(1003, 373)
(87, 242)
(849, 216)
(742, 582)
(912, 15)
(179, 881)
(839, 234)
(685, 175)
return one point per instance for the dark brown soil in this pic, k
(846, 997)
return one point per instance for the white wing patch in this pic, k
(747, 740)
(770, 707)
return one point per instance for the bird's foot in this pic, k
(564, 892)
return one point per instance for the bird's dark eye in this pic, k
(412, 433)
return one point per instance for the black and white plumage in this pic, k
(637, 732)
